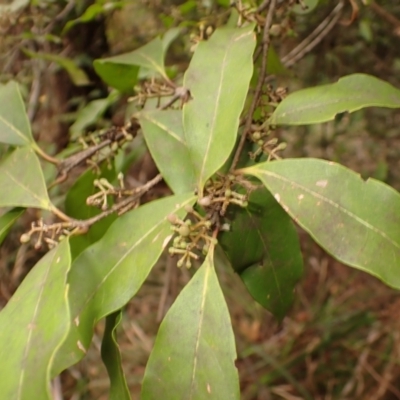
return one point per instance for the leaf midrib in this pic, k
(332, 203)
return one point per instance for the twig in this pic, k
(315, 37)
(384, 14)
(59, 17)
(260, 83)
(35, 90)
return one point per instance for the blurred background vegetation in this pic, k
(341, 340)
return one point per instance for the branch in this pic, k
(315, 37)
(260, 83)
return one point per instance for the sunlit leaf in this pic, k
(323, 103)
(7, 221)
(109, 273)
(78, 75)
(263, 248)
(122, 71)
(218, 79)
(33, 325)
(166, 141)
(21, 179)
(111, 357)
(357, 221)
(14, 123)
(194, 353)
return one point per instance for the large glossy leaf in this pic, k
(122, 71)
(33, 325)
(163, 132)
(76, 207)
(218, 78)
(109, 273)
(357, 221)
(111, 357)
(194, 353)
(323, 103)
(14, 123)
(22, 182)
(7, 221)
(263, 247)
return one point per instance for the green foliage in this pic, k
(195, 142)
(14, 124)
(21, 170)
(200, 364)
(111, 357)
(263, 248)
(211, 119)
(7, 221)
(335, 206)
(121, 72)
(33, 324)
(163, 131)
(323, 103)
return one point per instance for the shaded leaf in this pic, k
(7, 221)
(14, 123)
(194, 353)
(109, 273)
(33, 325)
(309, 5)
(91, 113)
(78, 75)
(76, 207)
(122, 71)
(263, 247)
(218, 79)
(111, 357)
(169, 36)
(93, 11)
(357, 221)
(21, 174)
(323, 103)
(163, 132)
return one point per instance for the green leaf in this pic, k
(91, 113)
(169, 36)
(194, 353)
(7, 221)
(22, 181)
(78, 75)
(310, 5)
(91, 13)
(33, 325)
(111, 357)
(218, 79)
(109, 273)
(76, 207)
(323, 103)
(357, 221)
(263, 247)
(163, 132)
(14, 123)
(122, 71)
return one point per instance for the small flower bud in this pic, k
(205, 201)
(25, 238)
